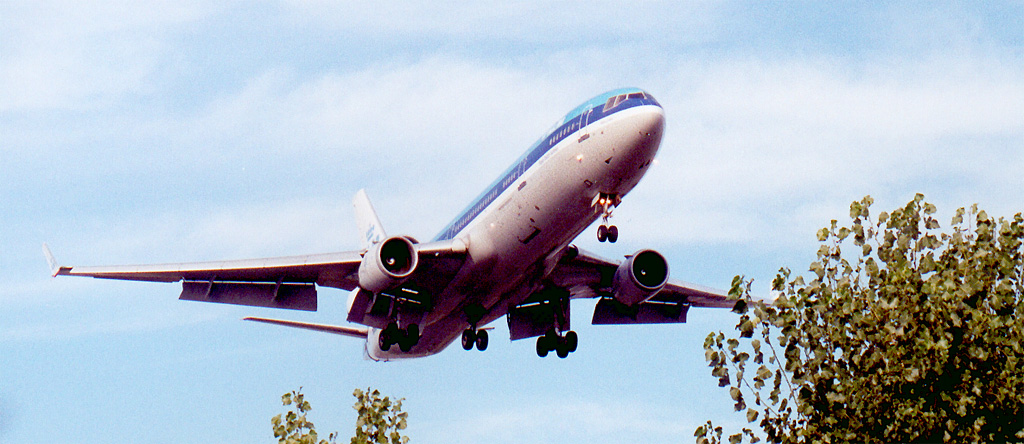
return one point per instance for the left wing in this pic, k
(586, 275)
(282, 282)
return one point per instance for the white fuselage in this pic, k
(513, 243)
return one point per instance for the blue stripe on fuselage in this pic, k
(589, 112)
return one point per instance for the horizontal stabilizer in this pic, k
(355, 332)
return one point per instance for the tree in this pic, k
(293, 427)
(911, 334)
(379, 420)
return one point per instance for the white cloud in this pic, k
(756, 146)
(72, 55)
(572, 421)
(578, 22)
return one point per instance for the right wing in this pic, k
(588, 276)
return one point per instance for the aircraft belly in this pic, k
(549, 207)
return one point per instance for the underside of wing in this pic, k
(586, 275)
(283, 282)
(333, 269)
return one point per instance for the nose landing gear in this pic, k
(609, 233)
(608, 202)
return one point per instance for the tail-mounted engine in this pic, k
(640, 277)
(387, 264)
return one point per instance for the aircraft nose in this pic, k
(651, 122)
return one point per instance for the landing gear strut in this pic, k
(608, 202)
(553, 340)
(472, 336)
(405, 338)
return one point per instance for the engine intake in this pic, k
(387, 264)
(640, 277)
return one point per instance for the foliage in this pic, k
(380, 419)
(293, 427)
(917, 337)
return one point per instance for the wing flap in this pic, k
(609, 311)
(288, 296)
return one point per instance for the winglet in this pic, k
(55, 269)
(370, 229)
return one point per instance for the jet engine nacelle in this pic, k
(387, 264)
(640, 277)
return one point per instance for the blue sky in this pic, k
(172, 131)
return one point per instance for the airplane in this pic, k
(509, 253)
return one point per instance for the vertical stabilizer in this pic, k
(370, 229)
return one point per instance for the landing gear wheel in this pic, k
(405, 345)
(602, 233)
(481, 340)
(468, 339)
(413, 332)
(613, 234)
(571, 341)
(542, 349)
(410, 337)
(562, 348)
(388, 336)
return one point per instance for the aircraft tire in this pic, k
(468, 339)
(542, 349)
(406, 344)
(613, 234)
(602, 233)
(383, 340)
(481, 340)
(413, 334)
(562, 349)
(571, 341)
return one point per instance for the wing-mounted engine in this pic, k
(640, 277)
(388, 264)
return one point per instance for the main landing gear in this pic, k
(608, 202)
(472, 336)
(561, 345)
(405, 338)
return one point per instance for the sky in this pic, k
(175, 131)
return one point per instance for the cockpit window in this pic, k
(615, 101)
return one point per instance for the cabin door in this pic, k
(584, 121)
